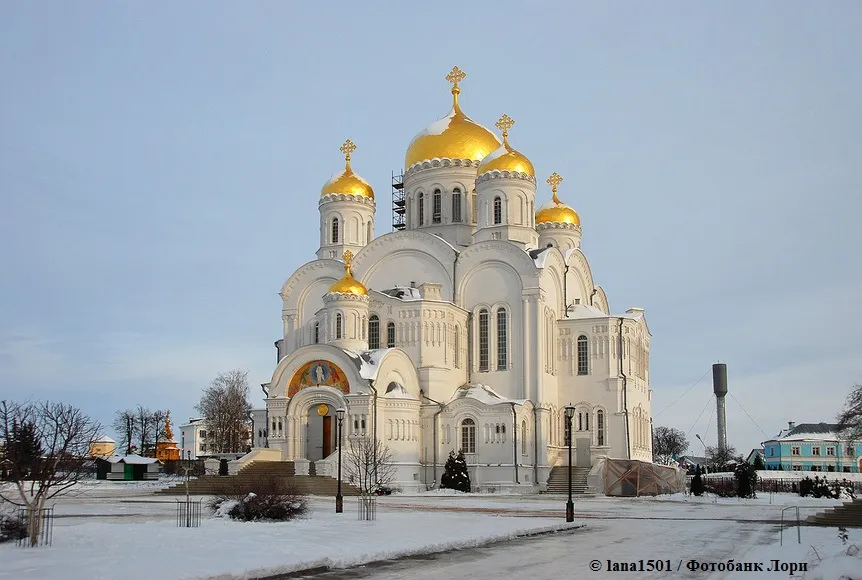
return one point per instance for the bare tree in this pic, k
(368, 465)
(718, 457)
(126, 426)
(225, 408)
(850, 418)
(668, 443)
(157, 428)
(64, 435)
(144, 418)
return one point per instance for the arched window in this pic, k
(600, 428)
(368, 232)
(468, 436)
(567, 429)
(583, 356)
(421, 209)
(587, 421)
(498, 210)
(335, 230)
(437, 207)
(523, 437)
(457, 343)
(483, 340)
(316, 332)
(502, 340)
(374, 332)
(580, 421)
(339, 322)
(390, 335)
(456, 206)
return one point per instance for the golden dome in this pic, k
(455, 136)
(557, 211)
(348, 284)
(505, 158)
(347, 182)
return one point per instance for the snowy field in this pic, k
(117, 529)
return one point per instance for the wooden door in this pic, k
(327, 436)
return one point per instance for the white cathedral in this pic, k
(470, 327)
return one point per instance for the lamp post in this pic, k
(339, 499)
(570, 505)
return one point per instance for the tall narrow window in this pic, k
(390, 335)
(339, 321)
(334, 230)
(483, 340)
(580, 421)
(368, 233)
(437, 207)
(374, 332)
(474, 212)
(567, 430)
(468, 436)
(600, 428)
(523, 437)
(456, 206)
(587, 421)
(421, 209)
(502, 340)
(457, 343)
(498, 210)
(316, 332)
(583, 356)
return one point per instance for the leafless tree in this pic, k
(64, 435)
(850, 418)
(718, 457)
(225, 408)
(157, 428)
(368, 464)
(144, 418)
(668, 443)
(126, 426)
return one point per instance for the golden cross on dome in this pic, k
(348, 260)
(347, 149)
(554, 180)
(504, 124)
(455, 77)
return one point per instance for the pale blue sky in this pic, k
(160, 165)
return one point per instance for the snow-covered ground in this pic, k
(109, 527)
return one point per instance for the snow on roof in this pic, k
(397, 391)
(104, 439)
(132, 459)
(809, 432)
(483, 394)
(367, 361)
(437, 127)
(582, 311)
(405, 293)
(539, 255)
(498, 152)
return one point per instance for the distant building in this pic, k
(193, 436)
(812, 447)
(104, 446)
(127, 468)
(753, 455)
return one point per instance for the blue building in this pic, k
(812, 447)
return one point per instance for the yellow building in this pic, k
(166, 449)
(104, 446)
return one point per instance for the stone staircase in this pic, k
(848, 515)
(558, 481)
(305, 484)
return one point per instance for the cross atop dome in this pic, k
(455, 77)
(504, 124)
(347, 149)
(347, 256)
(554, 180)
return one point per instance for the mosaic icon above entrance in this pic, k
(318, 373)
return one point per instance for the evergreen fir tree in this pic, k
(697, 482)
(746, 479)
(759, 465)
(24, 449)
(455, 475)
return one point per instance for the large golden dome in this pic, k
(347, 182)
(348, 284)
(504, 158)
(557, 211)
(455, 136)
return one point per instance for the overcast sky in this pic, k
(160, 167)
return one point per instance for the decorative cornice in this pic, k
(558, 226)
(437, 163)
(345, 297)
(497, 174)
(364, 200)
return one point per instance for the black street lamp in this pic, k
(570, 505)
(339, 499)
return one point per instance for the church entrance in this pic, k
(321, 435)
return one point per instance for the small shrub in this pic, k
(258, 500)
(697, 482)
(12, 528)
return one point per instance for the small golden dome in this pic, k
(455, 136)
(347, 182)
(557, 211)
(505, 158)
(348, 284)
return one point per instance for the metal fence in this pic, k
(43, 520)
(188, 513)
(367, 508)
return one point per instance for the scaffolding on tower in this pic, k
(398, 204)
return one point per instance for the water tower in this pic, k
(719, 387)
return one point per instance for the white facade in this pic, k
(476, 331)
